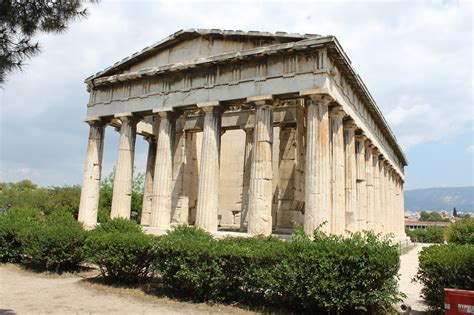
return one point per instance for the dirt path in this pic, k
(408, 269)
(26, 292)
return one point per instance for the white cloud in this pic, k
(470, 149)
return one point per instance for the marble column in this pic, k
(402, 207)
(391, 223)
(89, 204)
(361, 183)
(338, 206)
(317, 170)
(208, 188)
(385, 197)
(246, 178)
(369, 169)
(350, 175)
(376, 174)
(180, 187)
(261, 174)
(123, 179)
(148, 184)
(382, 212)
(162, 183)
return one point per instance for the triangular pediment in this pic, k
(192, 44)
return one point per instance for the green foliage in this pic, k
(432, 234)
(327, 274)
(445, 266)
(21, 21)
(432, 216)
(185, 262)
(54, 243)
(24, 194)
(336, 274)
(11, 227)
(461, 232)
(121, 250)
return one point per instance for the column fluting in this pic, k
(148, 182)
(338, 206)
(350, 175)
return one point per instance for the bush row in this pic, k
(357, 274)
(445, 266)
(432, 234)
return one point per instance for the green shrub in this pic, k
(54, 243)
(118, 225)
(445, 266)
(329, 274)
(245, 266)
(357, 274)
(185, 264)
(432, 234)
(461, 232)
(11, 226)
(121, 250)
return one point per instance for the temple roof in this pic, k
(183, 35)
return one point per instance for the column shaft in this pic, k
(261, 175)
(324, 183)
(383, 223)
(361, 185)
(350, 176)
(89, 204)
(370, 185)
(338, 205)
(123, 179)
(208, 188)
(148, 184)
(377, 210)
(162, 183)
(246, 178)
(180, 187)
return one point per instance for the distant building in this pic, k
(413, 224)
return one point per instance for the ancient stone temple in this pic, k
(247, 131)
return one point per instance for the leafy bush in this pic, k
(432, 234)
(330, 273)
(336, 274)
(54, 243)
(461, 232)
(185, 263)
(11, 226)
(445, 266)
(121, 250)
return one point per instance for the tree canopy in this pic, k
(21, 20)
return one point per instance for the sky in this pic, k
(415, 57)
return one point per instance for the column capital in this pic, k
(210, 107)
(127, 117)
(337, 111)
(350, 124)
(95, 121)
(361, 137)
(149, 138)
(376, 151)
(313, 96)
(259, 100)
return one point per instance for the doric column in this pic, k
(90, 191)
(162, 182)
(246, 178)
(338, 206)
(350, 175)
(208, 188)
(386, 199)
(261, 174)
(402, 206)
(369, 169)
(316, 179)
(148, 184)
(123, 179)
(382, 195)
(376, 175)
(361, 184)
(180, 187)
(391, 223)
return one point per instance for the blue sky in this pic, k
(415, 57)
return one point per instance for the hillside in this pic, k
(437, 199)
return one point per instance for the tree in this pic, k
(431, 216)
(20, 20)
(455, 213)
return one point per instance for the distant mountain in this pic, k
(436, 199)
